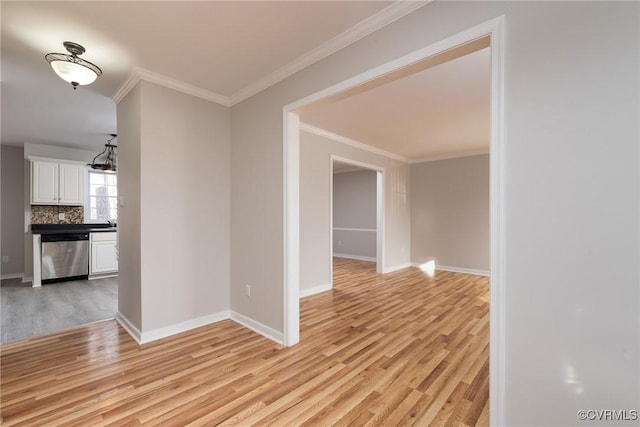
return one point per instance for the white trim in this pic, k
(495, 30)
(497, 191)
(129, 327)
(291, 228)
(54, 160)
(315, 290)
(462, 270)
(139, 74)
(36, 282)
(357, 257)
(396, 66)
(450, 156)
(167, 331)
(104, 276)
(373, 230)
(348, 170)
(187, 325)
(87, 195)
(362, 29)
(351, 142)
(11, 276)
(370, 148)
(396, 267)
(126, 87)
(358, 163)
(380, 216)
(330, 213)
(258, 327)
(380, 226)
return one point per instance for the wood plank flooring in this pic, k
(378, 350)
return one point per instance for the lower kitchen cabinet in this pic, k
(104, 254)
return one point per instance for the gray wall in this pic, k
(129, 112)
(450, 212)
(12, 215)
(354, 206)
(176, 214)
(315, 213)
(571, 204)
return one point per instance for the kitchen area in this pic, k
(71, 244)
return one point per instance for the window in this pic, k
(102, 201)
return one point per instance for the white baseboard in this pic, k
(396, 267)
(167, 331)
(156, 334)
(11, 276)
(358, 257)
(258, 327)
(456, 269)
(104, 276)
(27, 279)
(315, 290)
(463, 270)
(187, 325)
(129, 327)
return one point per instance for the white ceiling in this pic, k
(231, 50)
(227, 48)
(440, 112)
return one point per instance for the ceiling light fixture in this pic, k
(71, 68)
(110, 161)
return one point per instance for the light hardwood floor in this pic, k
(398, 349)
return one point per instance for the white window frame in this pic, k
(87, 198)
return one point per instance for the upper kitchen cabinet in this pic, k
(57, 183)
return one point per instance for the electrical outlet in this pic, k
(61, 216)
(247, 290)
(5, 258)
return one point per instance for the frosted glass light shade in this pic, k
(74, 73)
(71, 68)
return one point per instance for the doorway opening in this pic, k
(356, 211)
(476, 38)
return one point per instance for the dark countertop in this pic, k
(71, 228)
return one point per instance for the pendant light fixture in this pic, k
(110, 157)
(71, 68)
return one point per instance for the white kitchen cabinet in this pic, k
(103, 253)
(44, 183)
(57, 183)
(71, 184)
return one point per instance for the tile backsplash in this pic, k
(49, 214)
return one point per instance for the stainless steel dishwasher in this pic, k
(65, 257)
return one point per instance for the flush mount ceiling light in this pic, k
(109, 164)
(71, 68)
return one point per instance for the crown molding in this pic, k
(362, 29)
(451, 156)
(139, 74)
(361, 145)
(126, 87)
(352, 142)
